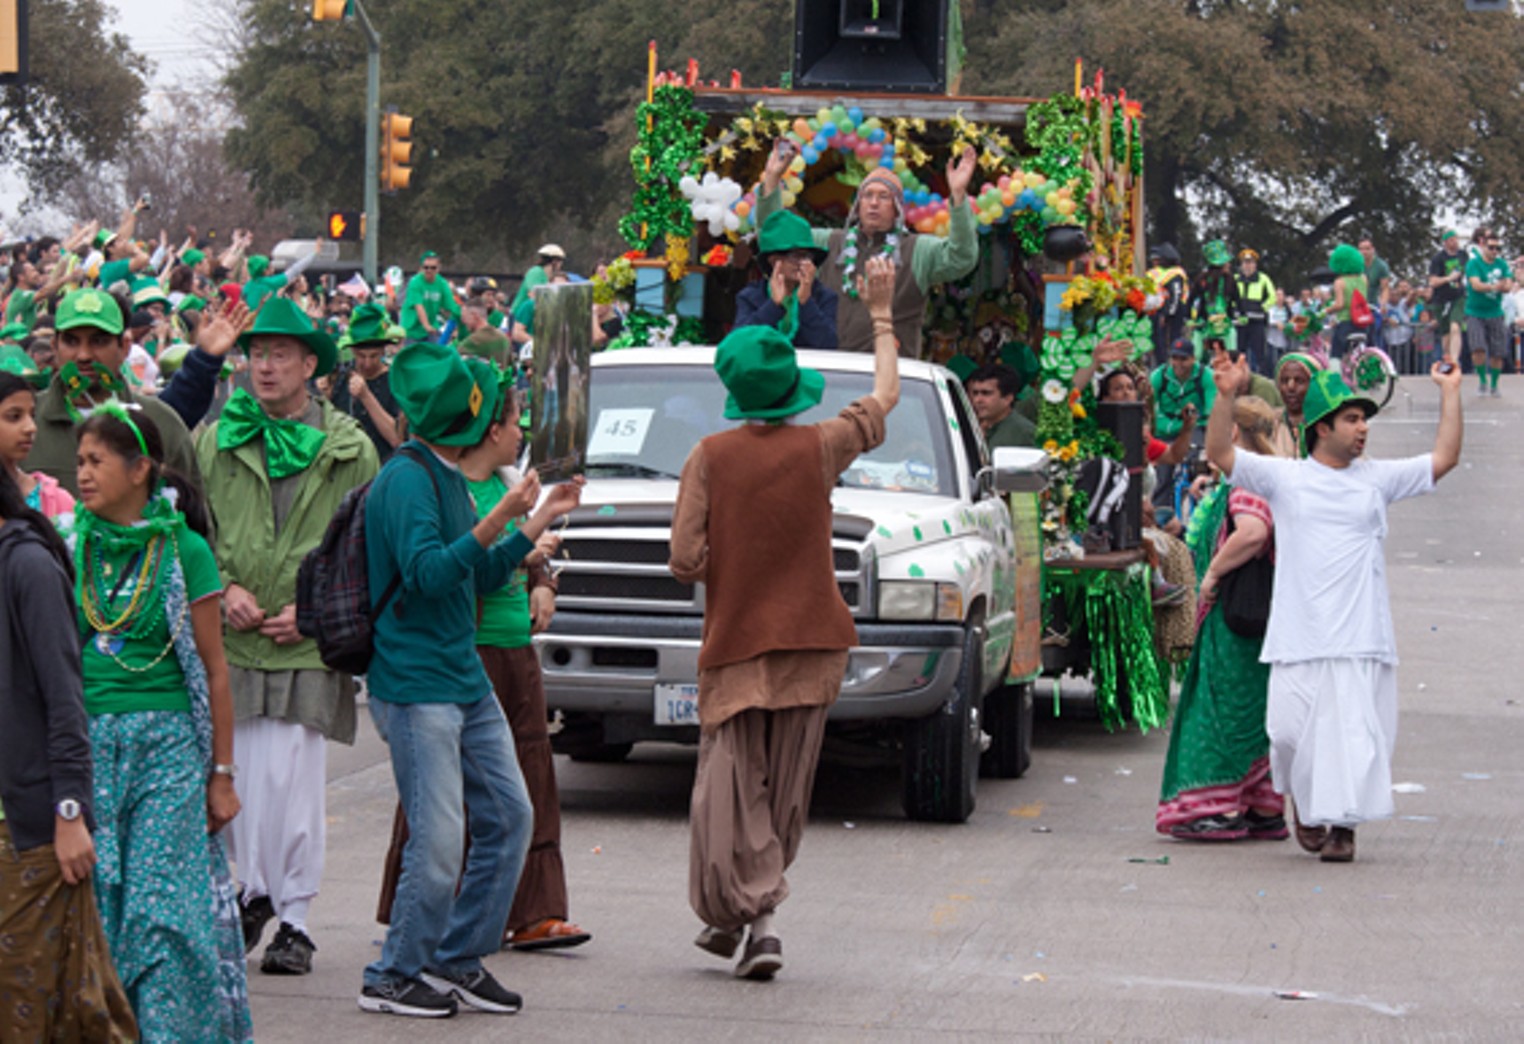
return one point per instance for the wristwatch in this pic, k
(69, 810)
(230, 771)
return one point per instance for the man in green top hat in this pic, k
(1332, 705)
(790, 297)
(92, 346)
(277, 463)
(429, 297)
(753, 523)
(363, 390)
(452, 754)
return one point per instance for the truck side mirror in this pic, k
(1019, 469)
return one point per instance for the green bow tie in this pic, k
(290, 446)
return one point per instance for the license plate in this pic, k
(677, 705)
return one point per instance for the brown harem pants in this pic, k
(515, 677)
(751, 798)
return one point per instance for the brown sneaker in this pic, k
(1311, 838)
(718, 941)
(1340, 846)
(762, 959)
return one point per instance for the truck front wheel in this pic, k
(942, 750)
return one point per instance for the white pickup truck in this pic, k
(925, 557)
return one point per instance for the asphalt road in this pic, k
(1036, 918)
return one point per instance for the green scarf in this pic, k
(160, 518)
(290, 445)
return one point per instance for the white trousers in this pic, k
(1333, 725)
(277, 840)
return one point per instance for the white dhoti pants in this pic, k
(277, 840)
(1332, 726)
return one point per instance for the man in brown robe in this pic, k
(753, 523)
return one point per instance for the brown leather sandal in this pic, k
(550, 934)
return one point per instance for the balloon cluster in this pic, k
(997, 202)
(712, 201)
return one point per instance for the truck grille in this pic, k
(624, 569)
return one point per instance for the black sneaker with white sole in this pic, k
(410, 997)
(475, 989)
(256, 913)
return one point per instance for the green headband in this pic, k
(1312, 365)
(113, 408)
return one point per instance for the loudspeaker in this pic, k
(890, 46)
(1125, 421)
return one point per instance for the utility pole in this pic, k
(372, 144)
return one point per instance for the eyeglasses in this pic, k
(431, 268)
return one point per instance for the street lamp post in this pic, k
(372, 142)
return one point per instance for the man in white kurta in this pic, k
(1332, 706)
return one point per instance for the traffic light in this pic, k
(346, 226)
(396, 151)
(330, 10)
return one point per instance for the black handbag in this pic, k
(1244, 595)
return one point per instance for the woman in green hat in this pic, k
(789, 297)
(753, 523)
(1348, 264)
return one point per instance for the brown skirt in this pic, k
(515, 677)
(57, 982)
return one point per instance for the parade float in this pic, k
(1059, 209)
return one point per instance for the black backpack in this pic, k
(333, 602)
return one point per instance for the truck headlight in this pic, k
(919, 600)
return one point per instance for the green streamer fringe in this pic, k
(1118, 614)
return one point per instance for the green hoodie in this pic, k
(249, 551)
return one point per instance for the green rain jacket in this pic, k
(251, 554)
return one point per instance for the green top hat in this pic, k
(784, 231)
(280, 317)
(1216, 253)
(762, 373)
(193, 257)
(448, 400)
(370, 325)
(259, 264)
(89, 307)
(103, 239)
(1326, 396)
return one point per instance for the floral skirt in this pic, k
(170, 927)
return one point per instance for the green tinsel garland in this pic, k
(1059, 129)
(1117, 611)
(639, 326)
(671, 138)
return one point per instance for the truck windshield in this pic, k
(644, 420)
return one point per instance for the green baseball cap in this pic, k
(89, 307)
(1326, 396)
(448, 400)
(761, 371)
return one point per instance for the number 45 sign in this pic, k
(619, 433)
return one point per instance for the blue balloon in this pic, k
(887, 162)
(855, 114)
(889, 149)
(983, 229)
(828, 129)
(822, 141)
(810, 154)
(877, 135)
(936, 198)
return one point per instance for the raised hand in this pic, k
(960, 172)
(1230, 374)
(220, 329)
(876, 287)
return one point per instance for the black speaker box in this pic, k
(840, 45)
(1125, 421)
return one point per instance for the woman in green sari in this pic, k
(1217, 776)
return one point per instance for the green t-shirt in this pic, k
(536, 276)
(524, 315)
(115, 272)
(436, 298)
(1375, 272)
(256, 290)
(142, 684)
(22, 308)
(1485, 305)
(504, 619)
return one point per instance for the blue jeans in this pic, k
(452, 761)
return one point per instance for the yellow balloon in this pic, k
(1065, 192)
(1051, 199)
(1032, 179)
(1065, 207)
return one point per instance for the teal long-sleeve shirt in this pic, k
(425, 641)
(934, 260)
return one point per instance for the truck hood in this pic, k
(892, 521)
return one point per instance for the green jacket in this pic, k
(53, 451)
(251, 554)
